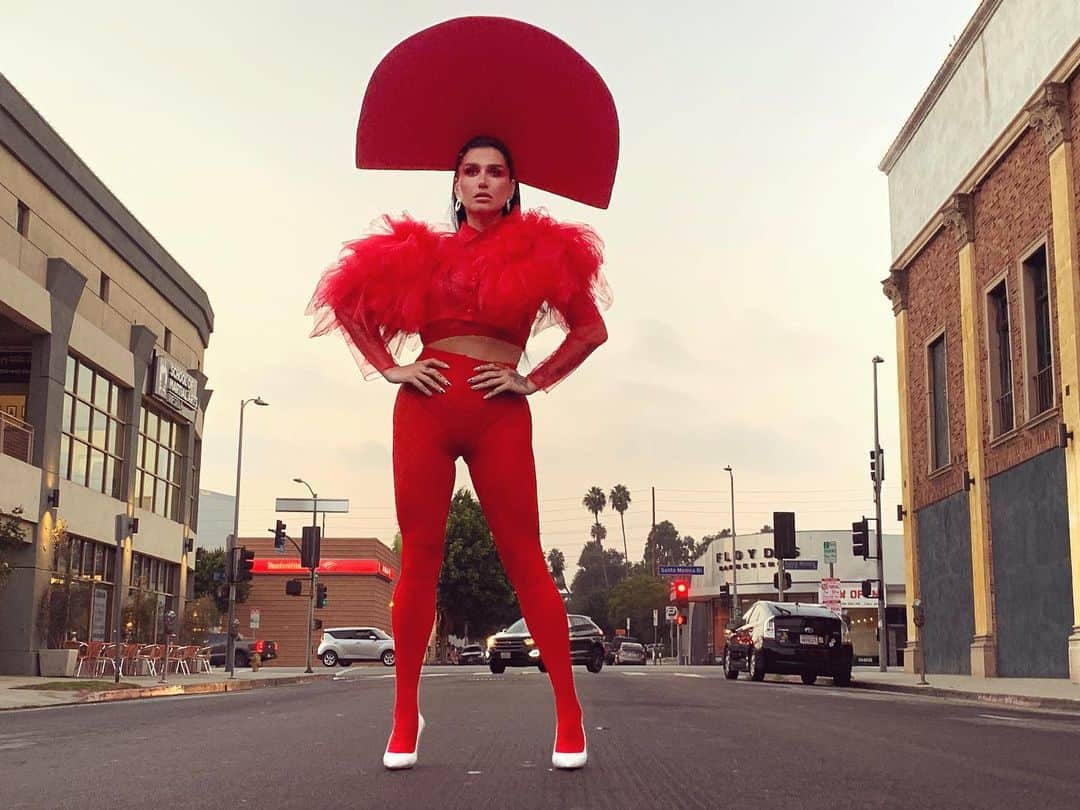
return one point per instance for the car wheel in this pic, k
(756, 667)
(345, 662)
(329, 658)
(387, 658)
(540, 666)
(729, 671)
(842, 678)
(596, 662)
(497, 667)
(809, 678)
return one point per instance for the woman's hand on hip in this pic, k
(423, 375)
(499, 379)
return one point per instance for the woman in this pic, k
(473, 296)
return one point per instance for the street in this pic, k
(658, 737)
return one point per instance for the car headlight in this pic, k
(490, 642)
(529, 642)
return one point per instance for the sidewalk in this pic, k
(12, 697)
(1028, 693)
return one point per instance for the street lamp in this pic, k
(314, 576)
(879, 469)
(230, 644)
(734, 570)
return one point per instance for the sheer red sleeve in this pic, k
(585, 332)
(376, 292)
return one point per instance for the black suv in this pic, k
(514, 647)
(789, 637)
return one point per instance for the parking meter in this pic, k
(170, 622)
(234, 628)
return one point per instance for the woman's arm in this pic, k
(585, 333)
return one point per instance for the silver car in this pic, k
(343, 645)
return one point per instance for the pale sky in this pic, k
(746, 238)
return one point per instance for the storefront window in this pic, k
(78, 602)
(153, 591)
(161, 463)
(91, 448)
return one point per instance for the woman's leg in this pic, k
(504, 473)
(423, 485)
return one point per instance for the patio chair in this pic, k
(107, 658)
(83, 649)
(202, 661)
(148, 655)
(127, 659)
(177, 660)
(91, 659)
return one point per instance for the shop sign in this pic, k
(14, 366)
(256, 617)
(175, 387)
(97, 623)
(348, 567)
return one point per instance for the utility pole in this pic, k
(735, 612)
(315, 543)
(879, 472)
(656, 559)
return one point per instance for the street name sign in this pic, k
(800, 565)
(682, 570)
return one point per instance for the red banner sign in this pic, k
(349, 567)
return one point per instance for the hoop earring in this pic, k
(510, 204)
(457, 205)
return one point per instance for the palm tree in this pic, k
(620, 501)
(557, 563)
(595, 501)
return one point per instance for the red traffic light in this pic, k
(680, 619)
(680, 591)
(681, 587)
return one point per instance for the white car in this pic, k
(343, 645)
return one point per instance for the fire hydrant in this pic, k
(256, 661)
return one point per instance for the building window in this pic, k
(161, 465)
(79, 597)
(22, 219)
(92, 444)
(939, 403)
(167, 342)
(1039, 355)
(103, 288)
(1000, 356)
(152, 591)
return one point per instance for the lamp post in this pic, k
(314, 576)
(230, 644)
(735, 612)
(879, 469)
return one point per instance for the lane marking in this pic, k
(634, 674)
(687, 675)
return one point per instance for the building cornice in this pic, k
(44, 153)
(1049, 114)
(968, 37)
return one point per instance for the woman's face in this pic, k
(483, 182)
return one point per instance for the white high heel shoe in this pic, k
(398, 762)
(569, 762)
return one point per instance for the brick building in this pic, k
(984, 192)
(359, 575)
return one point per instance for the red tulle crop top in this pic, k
(514, 279)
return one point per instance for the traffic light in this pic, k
(860, 539)
(310, 547)
(680, 619)
(682, 592)
(877, 465)
(200, 555)
(724, 590)
(245, 561)
(293, 588)
(279, 536)
(320, 596)
(776, 581)
(784, 536)
(867, 588)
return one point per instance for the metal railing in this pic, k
(1004, 405)
(16, 437)
(1044, 389)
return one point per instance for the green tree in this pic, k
(666, 547)
(213, 562)
(595, 500)
(766, 529)
(620, 502)
(12, 538)
(556, 561)
(473, 589)
(636, 598)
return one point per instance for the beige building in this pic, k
(102, 398)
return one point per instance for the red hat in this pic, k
(499, 77)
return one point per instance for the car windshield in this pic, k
(379, 633)
(517, 627)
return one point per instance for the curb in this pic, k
(172, 690)
(1017, 701)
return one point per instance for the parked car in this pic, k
(343, 645)
(612, 654)
(629, 651)
(789, 637)
(514, 646)
(243, 649)
(471, 654)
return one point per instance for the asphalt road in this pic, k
(658, 737)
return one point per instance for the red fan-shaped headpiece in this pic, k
(493, 76)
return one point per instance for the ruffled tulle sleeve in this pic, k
(376, 292)
(576, 291)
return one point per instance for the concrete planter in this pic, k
(58, 663)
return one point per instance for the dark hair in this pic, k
(480, 141)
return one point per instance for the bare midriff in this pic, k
(490, 349)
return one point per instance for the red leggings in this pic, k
(494, 437)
